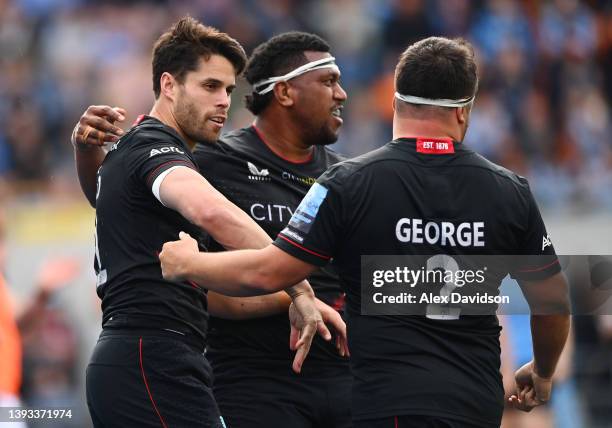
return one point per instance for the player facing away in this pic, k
(266, 169)
(413, 371)
(148, 367)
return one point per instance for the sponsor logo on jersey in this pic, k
(308, 208)
(271, 212)
(546, 242)
(257, 174)
(165, 150)
(445, 233)
(291, 234)
(309, 181)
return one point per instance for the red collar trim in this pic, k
(434, 146)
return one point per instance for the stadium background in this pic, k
(543, 110)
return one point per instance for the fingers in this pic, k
(542, 388)
(323, 331)
(96, 126)
(294, 336)
(303, 347)
(112, 113)
(342, 346)
(184, 235)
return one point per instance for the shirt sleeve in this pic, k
(316, 227)
(538, 259)
(147, 160)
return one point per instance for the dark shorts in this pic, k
(413, 421)
(149, 379)
(270, 400)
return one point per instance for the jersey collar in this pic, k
(431, 146)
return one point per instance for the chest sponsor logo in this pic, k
(546, 242)
(308, 181)
(308, 208)
(271, 212)
(445, 233)
(165, 150)
(257, 174)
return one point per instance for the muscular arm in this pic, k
(186, 191)
(550, 321)
(242, 308)
(233, 273)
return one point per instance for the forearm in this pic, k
(241, 308)
(549, 334)
(212, 270)
(88, 159)
(235, 230)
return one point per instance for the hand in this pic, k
(56, 273)
(334, 321)
(532, 390)
(175, 256)
(306, 321)
(96, 126)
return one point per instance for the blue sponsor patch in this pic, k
(308, 209)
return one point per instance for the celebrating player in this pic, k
(148, 368)
(413, 371)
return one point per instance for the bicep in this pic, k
(186, 191)
(547, 296)
(277, 269)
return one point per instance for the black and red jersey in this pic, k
(420, 196)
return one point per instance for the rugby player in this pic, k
(266, 169)
(148, 368)
(414, 371)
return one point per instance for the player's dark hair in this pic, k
(277, 56)
(437, 68)
(179, 50)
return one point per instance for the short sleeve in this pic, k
(538, 259)
(147, 160)
(315, 228)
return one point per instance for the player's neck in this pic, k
(283, 139)
(409, 127)
(165, 116)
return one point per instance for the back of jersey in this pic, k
(419, 197)
(131, 228)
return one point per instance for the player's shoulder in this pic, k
(151, 132)
(488, 167)
(352, 168)
(331, 156)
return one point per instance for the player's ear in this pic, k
(283, 94)
(167, 85)
(462, 114)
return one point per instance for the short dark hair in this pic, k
(436, 68)
(279, 55)
(179, 50)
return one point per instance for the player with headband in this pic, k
(439, 368)
(266, 169)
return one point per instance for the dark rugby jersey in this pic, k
(412, 364)
(242, 167)
(131, 228)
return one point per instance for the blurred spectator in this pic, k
(17, 321)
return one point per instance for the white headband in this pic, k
(314, 65)
(437, 102)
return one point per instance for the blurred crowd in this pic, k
(544, 109)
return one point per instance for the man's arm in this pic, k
(550, 321)
(94, 129)
(233, 273)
